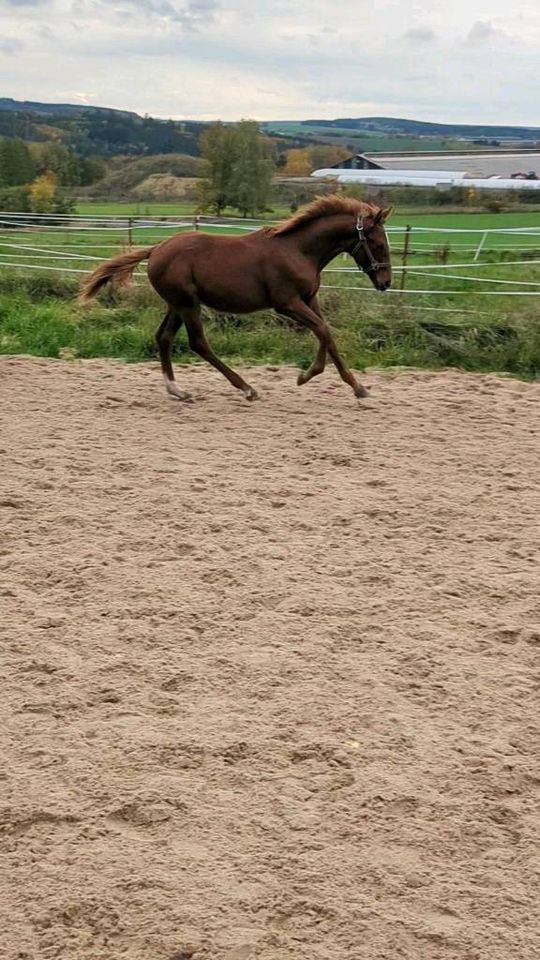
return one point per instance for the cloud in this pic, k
(191, 15)
(275, 59)
(10, 45)
(23, 3)
(483, 31)
(419, 35)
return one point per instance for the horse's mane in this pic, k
(323, 207)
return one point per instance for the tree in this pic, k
(326, 156)
(91, 170)
(218, 148)
(43, 193)
(59, 160)
(253, 168)
(241, 166)
(16, 164)
(301, 162)
(298, 164)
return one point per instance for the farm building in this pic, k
(499, 163)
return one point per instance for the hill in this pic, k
(97, 131)
(59, 109)
(421, 128)
(108, 132)
(375, 134)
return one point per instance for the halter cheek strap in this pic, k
(362, 244)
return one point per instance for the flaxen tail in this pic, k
(118, 269)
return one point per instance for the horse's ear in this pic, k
(383, 215)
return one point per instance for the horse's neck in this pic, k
(323, 239)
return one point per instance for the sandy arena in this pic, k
(271, 672)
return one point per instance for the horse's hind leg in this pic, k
(319, 363)
(165, 341)
(199, 344)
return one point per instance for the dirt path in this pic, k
(271, 672)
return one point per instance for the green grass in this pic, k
(38, 316)
(463, 220)
(369, 141)
(130, 208)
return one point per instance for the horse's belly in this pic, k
(231, 303)
(231, 293)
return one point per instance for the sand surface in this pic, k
(270, 672)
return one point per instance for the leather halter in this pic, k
(362, 244)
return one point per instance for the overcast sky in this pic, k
(464, 60)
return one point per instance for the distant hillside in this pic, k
(420, 128)
(98, 131)
(60, 109)
(374, 134)
(107, 132)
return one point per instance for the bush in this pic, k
(529, 196)
(15, 199)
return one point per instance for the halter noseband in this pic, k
(362, 244)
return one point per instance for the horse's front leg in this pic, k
(299, 311)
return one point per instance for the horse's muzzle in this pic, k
(384, 285)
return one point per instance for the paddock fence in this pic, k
(430, 263)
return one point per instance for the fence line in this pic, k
(37, 254)
(442, 293)
(140, 221)
(442, 266)
(456, 276)
(62, 247)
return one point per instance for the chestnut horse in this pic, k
(275, 268)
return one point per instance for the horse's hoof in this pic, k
(182, 397)
(173, 390)
(301, 379)
(251, 394)
(361, 392)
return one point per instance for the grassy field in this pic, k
(134, 209)
(401, 217)
(525, 220)
(366, 140)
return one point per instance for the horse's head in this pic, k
(370, 250)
